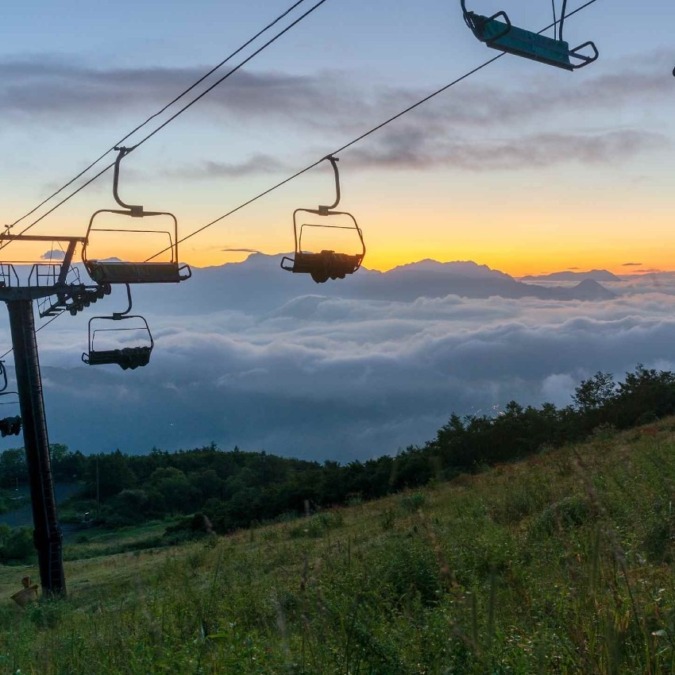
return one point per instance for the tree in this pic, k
(13, 468)
(107, 475)
(595, 393)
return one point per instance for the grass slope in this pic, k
(559, 564)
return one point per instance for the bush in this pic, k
(566, 514)
(406, 569)
(520, 501)
(188, 529)
(16, 545)
(317, 526)
(412, 503)
(658, 542)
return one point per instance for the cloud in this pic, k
(50, 85)
(631, 264)
(411, 148)
(53, 255)
(257, 164)
(240, 250)
(344, 378)
(558, 389)
(479, 127)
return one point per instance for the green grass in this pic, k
(90, 543)
(561, 564)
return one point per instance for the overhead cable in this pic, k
(170, 119)
(362, 136)
(344, 147)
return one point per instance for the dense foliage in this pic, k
(236, 489)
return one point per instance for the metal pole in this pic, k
(47, 534)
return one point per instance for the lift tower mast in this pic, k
(20, 285)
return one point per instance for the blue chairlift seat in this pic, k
(502, 35)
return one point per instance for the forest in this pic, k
(237, 489)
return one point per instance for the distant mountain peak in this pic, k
(570, 275)
(460, 268)
(589, 289)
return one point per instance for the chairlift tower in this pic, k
(59, 289)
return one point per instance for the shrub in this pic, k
(316, 526)
(566, 514)
(406, 569)
(412, 503)
(521, 500)
(658, 542)
(16, 545)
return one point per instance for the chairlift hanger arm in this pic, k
(562, 21)
(333, 160)
(135, 209)
(121, 315)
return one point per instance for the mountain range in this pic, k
(259, 284)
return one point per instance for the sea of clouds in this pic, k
(344, 378)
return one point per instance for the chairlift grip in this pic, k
(470, 22)
(323, 210)
(3, 375)
(120, 315)
(135, 209)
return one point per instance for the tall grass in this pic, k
(560, 564)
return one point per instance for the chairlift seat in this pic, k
(505, 37)
(325, 265)
(126, 358)
(521, 42)
(10, 426)
(107, 272)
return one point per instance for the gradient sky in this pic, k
(522, 167)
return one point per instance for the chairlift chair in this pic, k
(3, 377)
(125, 357)
(120, 272)
(11, 425)
(498, 32)
(324, 264)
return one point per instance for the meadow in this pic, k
(560, 563)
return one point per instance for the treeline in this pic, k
(237, 489)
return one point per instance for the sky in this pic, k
(523, 167)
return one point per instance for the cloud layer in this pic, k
(519, 126)
(343, 378)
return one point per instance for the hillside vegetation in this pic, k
(236, 489)
(560, 563)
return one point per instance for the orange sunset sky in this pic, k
(521, 167)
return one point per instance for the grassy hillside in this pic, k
(562, 563)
